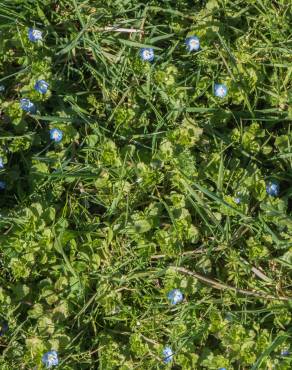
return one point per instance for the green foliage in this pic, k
(154, 173)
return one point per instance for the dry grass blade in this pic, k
(216, 285)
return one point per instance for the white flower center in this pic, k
(221, 91)
(194, 43)
(51, 359)
(147, 54)
(37, 34)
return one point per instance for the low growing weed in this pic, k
(145, 184)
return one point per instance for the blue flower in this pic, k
(50, 359)
(2, 88)
(222, 368)
(3, 328)
(147, 54)
(56, 134)
(193, 43)
(1, 163)
(167, 355)
(41, 86)
(238, 197)
(175, 296)
(220, 90)
(273, 188)
(35, 35)
(285, 352)
(2, 185)
(27, 105)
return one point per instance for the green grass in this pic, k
(139, 196)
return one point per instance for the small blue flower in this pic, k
(285, 352)
(220, 90)
(2, 185)
(1, 163)
(193, 43)
(147, 54)
(3, 328)
(222, 368)
(273, 188)
(2, 88)
(167, 355)
(35, 35)
(175, 296)
(56, 134)
(238, 197)
(27, 105)
(50, 359)
(41, 86)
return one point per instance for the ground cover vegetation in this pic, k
(145, 184)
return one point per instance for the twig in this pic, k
(221, 286)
